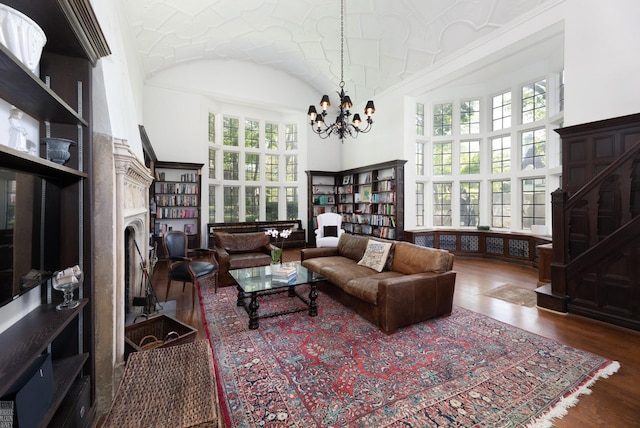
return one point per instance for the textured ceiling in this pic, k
(386, 41)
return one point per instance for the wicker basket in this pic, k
(158, 332)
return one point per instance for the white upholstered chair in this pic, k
(329, 229)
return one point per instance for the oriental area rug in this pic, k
(339, 370)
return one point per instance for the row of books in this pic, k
(176, 213)
(177, 201)
(177, 188)
(365, 229)
(323, 190)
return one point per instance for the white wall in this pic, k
(601, 61)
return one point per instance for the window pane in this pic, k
(252, 203)
(271, 136)
(419, 204)
(212, 128)
(272, 167)
(230, 131)
(291, 162)
(501, 154)
(501, 111)
(442, 158)
(501, 204)
(420, 158)
(272, 203)
(419, 118)
(534, 101)
(442, 204)
(231, 165)
(534, 196)
(534, 149)
(470, 117)
(470, 157)
(442, 119)
(469, 203)
(231, 204)
(212, 163)
(212, 204)
(291, 136)
(292, 203)
(252, 166)
(251, 134)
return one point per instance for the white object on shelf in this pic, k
(22, 36)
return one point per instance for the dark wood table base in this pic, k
(252, 306)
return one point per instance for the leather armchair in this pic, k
(239, 251)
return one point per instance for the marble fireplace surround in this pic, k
(121, 213)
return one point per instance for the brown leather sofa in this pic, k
(416, 284)
(239, 251)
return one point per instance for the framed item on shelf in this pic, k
(366, 193)
(346, 179)
(190, 228)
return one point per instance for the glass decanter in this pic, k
(68, 281)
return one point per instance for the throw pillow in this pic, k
(330, 231)
(376, 255)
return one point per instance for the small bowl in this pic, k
(22, 36)
(58, 149)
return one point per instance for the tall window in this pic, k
(212, 204)
(419, 118)
(212, 128)
(501, 111)
(501, 154)
(231, 204)
(231, 165)
(442, 158)
(469, 203)
(442, 204)
(230, 131)
(292, 202)
(212, 163)
(271, 135)
(419, 158)
(272, 203)
(533, 202)
(252, 203)
(442, 119)
(470, 157)
(251, 134)
(501, 204)
(470, 117)
(291, 136)
(534, 148)
(419, 204)
(272, 167)
(252, 166)
(534, 105)
(291, 162)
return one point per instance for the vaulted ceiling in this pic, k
(386, 41)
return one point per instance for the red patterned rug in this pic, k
(337, 369)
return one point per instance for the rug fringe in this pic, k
(561, 409)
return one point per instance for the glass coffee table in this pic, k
(258, 281)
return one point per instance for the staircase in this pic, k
(595, 269)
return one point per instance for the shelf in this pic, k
(20, 87)
(29, 337)
(65, 372)
(19, 161)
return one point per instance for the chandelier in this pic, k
(341, 126)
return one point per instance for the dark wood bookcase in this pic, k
(370, 199)
(60, 99)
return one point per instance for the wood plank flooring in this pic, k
(614, 402)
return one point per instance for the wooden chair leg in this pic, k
(166, 294)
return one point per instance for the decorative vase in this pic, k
(22, 36)
(67, 281)
(58, 149)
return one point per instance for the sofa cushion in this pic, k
(247, 260)
(241, 242)
(338, 270)
(366, 287)
(409, 259)
(376, 254)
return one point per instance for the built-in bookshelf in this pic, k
(175, 203)
(370, 199)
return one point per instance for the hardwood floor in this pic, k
(614, 402)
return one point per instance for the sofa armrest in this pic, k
(414, 298)
(222, 256)
(309, 253)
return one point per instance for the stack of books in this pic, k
(284, 273)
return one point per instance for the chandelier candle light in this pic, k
(276, 254)
(341, 127)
